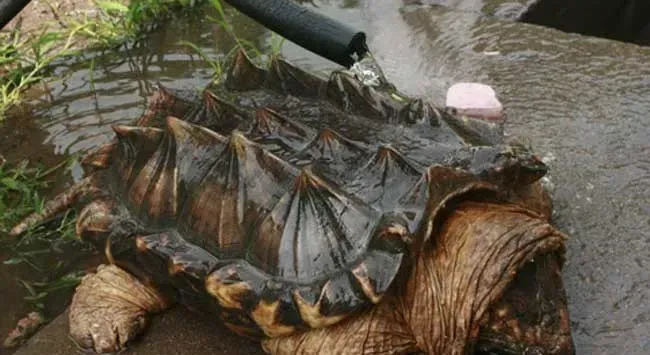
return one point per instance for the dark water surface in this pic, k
(583, 103)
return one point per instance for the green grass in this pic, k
(223, 19)
(25, 58)
(218, 64)
(43, 252)
(19, 190)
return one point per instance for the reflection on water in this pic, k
(583, 103)
(107, 89)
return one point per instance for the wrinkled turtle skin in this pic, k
(319, 216)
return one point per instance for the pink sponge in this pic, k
(475, 100)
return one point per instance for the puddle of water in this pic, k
(580, 100)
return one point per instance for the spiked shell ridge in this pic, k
(282, 201)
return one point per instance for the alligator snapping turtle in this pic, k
(319, 216)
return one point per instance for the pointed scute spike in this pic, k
(135, 145)
(420, 111)
(264, 121)
(388, 154)
(328, 135)
(178, 127)
(164, 102)
(122, 131)
(218, 114)
(237, 143)
(242, 182)
(290, 79)
(243, 74)
(171, 120)
(417, 195)
(306, 180)
(270, 122)
(98, 159)
(386, 151)
(213, 102)
(135, 134)
(345, 91)
(239, 137)
(183, 130)
(385, 178)
(313, 231)
(341, 87)
(331, 155)
(195, 145)
(152, 188)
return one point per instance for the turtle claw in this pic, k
(107, 338)
(110, 308)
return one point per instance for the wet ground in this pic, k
(582, 102)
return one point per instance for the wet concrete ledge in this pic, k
(175, 332)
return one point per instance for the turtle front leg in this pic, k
(110, 308)
(380, 331)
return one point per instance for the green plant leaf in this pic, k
(13, 261)
(10, 183)
(38, 297)
(112, 6)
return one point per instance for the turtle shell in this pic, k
(283, 201)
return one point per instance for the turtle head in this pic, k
(532, 317)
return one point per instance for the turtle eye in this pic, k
(532, 169)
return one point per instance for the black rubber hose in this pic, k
(9, 9)
(310, 30)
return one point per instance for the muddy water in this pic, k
(583, 103)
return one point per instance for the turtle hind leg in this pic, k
(110, 308)
(380, 330)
